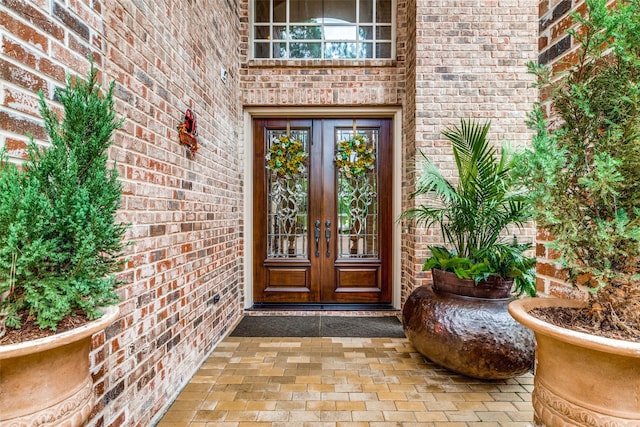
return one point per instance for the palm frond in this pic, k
(431, 181)
(473, 211)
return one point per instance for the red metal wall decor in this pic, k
(188, 131)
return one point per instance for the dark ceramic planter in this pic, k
(476, 337)
(494, 287)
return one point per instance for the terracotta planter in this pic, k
(473, 336)
(47, 382)
(581, 379)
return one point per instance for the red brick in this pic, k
(565, 290)
(34, 16)
(21, 125)
(543, 235)
(559, 29)
(81, 48)
(551, 270)
(24, 32)
(543, 8)
(22, 77)
(39, 63)
(16, 148)
(543, 42)
(157, 230)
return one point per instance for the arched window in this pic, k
(322, 29)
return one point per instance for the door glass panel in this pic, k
(287, 194)
(357, 172)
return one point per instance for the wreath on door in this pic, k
(355, 157)
(286, 157)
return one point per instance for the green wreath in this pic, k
(354, 157)
(286, 157)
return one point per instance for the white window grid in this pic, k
(323, 24)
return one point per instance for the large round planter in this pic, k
(494, 287)
(475, 337)
(47, 382)
(580, 379)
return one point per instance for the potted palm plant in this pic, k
(60, 245)
(479, 261)
(584, 176)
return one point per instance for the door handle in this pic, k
(316, 235)
(327, 236)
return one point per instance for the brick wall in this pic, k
(410, 265)
(186, 215)
(470, 62)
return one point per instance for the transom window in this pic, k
(322, 29)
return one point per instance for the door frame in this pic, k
(391, 112)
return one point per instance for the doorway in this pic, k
(322, 217)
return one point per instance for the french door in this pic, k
(322, 211)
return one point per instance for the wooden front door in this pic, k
(322, 211)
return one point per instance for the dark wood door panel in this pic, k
(335, 251)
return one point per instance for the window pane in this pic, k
(306, 32)
(340, 10)
(340, 50)
(366, 11)
(280, 33)
(365, 50)
(332, 29)
(340, 32)
(280, 50)
(305, 50)
(261, 50)
(365, 33)
(262, 11)
(305, 11)
(383, 33)
(383, 11)
(261, 32)
(279, 11)
(383, 50)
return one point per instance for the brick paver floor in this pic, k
(340, 382)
